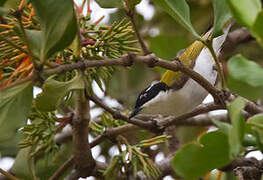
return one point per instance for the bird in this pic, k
(176, 94)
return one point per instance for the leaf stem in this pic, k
(209, 45)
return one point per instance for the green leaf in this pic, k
(2, 2)
(15, 104)
(256, 121)
(54, 92)
(256, 124)
(245, 77)
(237, 131)
(35, 41)
(244, 89)
(245, 11)
(179, 10)
(257, 28)
(58, 24)
(221, 15)
(21, 166)
(194, 160)
(110, 3)
(10, 147)
(224, 127)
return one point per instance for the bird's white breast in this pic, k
(176, 102)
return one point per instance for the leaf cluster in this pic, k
(40, 133)
(132, 159)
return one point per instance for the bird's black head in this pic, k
(148, 94)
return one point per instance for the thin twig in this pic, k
(63, 168)
(8, 175)
(135, 28)
(209, 45)
(203, 108)
(118, 115)
(130, 13)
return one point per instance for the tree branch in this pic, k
(83, 160)
(118, 115)
(150, 60)
(182, 119)
(139, 37)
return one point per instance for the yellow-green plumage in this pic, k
(186, 58)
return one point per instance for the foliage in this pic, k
(40, 133)
(132, 159)
(40, 40)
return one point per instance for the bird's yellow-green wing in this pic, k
(187, 58)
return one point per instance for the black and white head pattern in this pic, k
(148, 94)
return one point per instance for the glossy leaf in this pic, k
(15, 104)
(58, 24)
(10, 147)
(54, 92)
(256, 121)
(256, 124)
(221, 15)
(110, 3)
(245, 77)
(257, 28)
(245, 11)
(180, 11)
(243, 89)
(35, 41)
(237, 131)
(22, 163)
(194, 160)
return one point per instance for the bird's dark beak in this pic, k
(134, 112)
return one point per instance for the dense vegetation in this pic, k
(53, 46)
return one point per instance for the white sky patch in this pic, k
(145, 9)
(95, 151)
(154, 32)
(97, 11)
(168, 178)
(95, 112)
(159, 157)
(101, 159)
(97, 90)
(89, 178)
(113, 151)
(154, 147)
(36, 91)
(6, 163)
